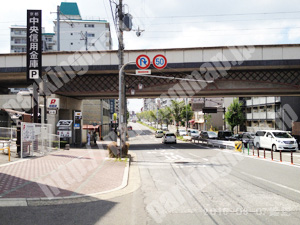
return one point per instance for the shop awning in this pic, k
(192, 121)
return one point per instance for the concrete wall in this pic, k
(205, 54)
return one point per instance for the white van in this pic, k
(275, 140)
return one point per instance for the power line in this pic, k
(219, 21)
(233, 14)
(267, 28)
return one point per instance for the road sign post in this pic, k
(34, 55)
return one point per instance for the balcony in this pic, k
(249, 102)
(18, 34)
(12, 43)
(272, 100)
(249, 116)
(271, 115)
(256, 116)
(256, 101)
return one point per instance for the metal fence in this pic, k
(8, 137)
(55, 142)
(8, 134)
(37, 140)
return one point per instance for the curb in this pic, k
(14, 202)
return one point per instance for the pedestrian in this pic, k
(95, 137)
(89, 138)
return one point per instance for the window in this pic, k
(71, 43)
(90, 35)
(71, 33)
(89, 25)
(260, 133)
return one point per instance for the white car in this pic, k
(169, 138)
(182, 132)
(275, 140)
(193, 133)
(164, 127)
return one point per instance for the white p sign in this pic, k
(33, 74)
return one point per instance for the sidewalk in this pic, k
(62, 174)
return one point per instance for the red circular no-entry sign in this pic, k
(159, 62)
(143, 62)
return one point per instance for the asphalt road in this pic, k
(185, 183)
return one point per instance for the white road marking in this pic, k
(256, 158)
(205, 159)
(193, 155)
(271, 182)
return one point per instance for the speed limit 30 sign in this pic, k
(159, 62)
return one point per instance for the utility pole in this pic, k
(58, 28)
(86, 41)
(122, 98)
(186, 114)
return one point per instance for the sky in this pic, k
(177, 23)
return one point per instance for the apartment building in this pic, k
(271, 113)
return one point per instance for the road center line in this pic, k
(271, 182)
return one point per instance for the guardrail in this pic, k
(214, 142)
(255, 152)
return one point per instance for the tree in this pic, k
(153, 115)
(207, 120)
(187, 113)
(234, 116)
(165, 115)
(176, 111)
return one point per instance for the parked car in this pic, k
(225, 135)
(275, 140)
(193, 133)
(164, 127)
(236, 137)
(182, 132)
(208, 135)
(248, 137)
(169, 138)
(159, 134)
(129, 127)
